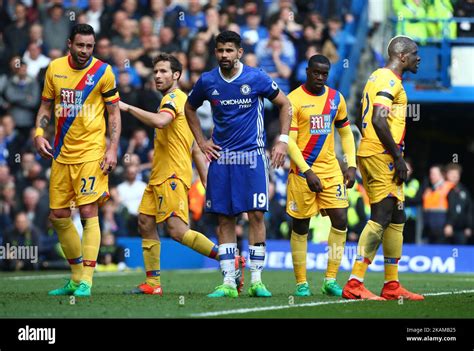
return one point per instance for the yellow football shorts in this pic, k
(168, 199)
(74, 185)
(377, 175)
(302, 203)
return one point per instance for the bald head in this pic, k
(400, 45)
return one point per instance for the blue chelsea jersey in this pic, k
(237, 106)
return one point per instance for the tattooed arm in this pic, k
(42, 121)
(115, 127)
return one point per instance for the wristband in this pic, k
(39, 132)
(283, 138)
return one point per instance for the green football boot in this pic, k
(224, 291)
(84, 289)
(302, 289)
(259, 290)
(331, 288)
(67, 289)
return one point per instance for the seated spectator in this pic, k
(252, 31)
(112, 219)
(56, 28)
(103, 50)
(127, 39)
(36, 36)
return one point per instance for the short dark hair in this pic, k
(229, 36)
(83, 29)
(175, 65)
(454, 167)
(319, 59)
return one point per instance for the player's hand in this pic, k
(349, 177)
(123, 106)
(43, 147)
(401, 171)
(109, 162)
(313, 181)
(211, 150)
(448, 230)
(279, 152)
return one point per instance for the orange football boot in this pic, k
(393, 291)
(355, 290)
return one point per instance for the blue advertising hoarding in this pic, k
(415, 258)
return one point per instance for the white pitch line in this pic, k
(65, 275)
(309, 304)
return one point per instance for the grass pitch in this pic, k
(24, 295)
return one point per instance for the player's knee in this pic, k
(60, 213)
(256, 217)
(175, 233)
(146, 227)
(340, 223)
(300, 226)
(399, 217)
(89, 211)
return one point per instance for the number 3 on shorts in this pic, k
(259, 200)
(341, 192)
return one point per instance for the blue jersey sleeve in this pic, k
(197, 95)
(266, 86)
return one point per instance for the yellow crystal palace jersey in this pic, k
(79, 98)
(173, 144)
(314, 118)
(384, 88)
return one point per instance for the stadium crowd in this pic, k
(278, 36)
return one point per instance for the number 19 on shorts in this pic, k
(259, 200)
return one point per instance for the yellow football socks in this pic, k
(392, 250)
(369, 243)
(151, 257)
(336, 243)
(71, 245)
(200, 243)
(90, 247)
(299, 248)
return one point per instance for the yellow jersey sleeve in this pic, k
(386, 91)
(48, 89)
(341, 119)
(294, 116)
(169, 104)
(109, 88)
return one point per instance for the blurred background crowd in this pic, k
(278, 36)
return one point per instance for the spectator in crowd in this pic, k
(16, 34)
(37, 214)
(112, 219)
(122, 63)
(194, 19)
(443, 11)
(167, 40)
(435, 205)
(22, 94)
(252, 31)
(157, 8)
(56, 28)
(14, 141)
(103, 50)
(276, 55)
(36, 36)
(8, 204)
(131, 9)
(140, 144)
(35, 60)
(96, 15)
(22, 234)
(458, 228)
(128, 40)
(130, 193)
(409, 13)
